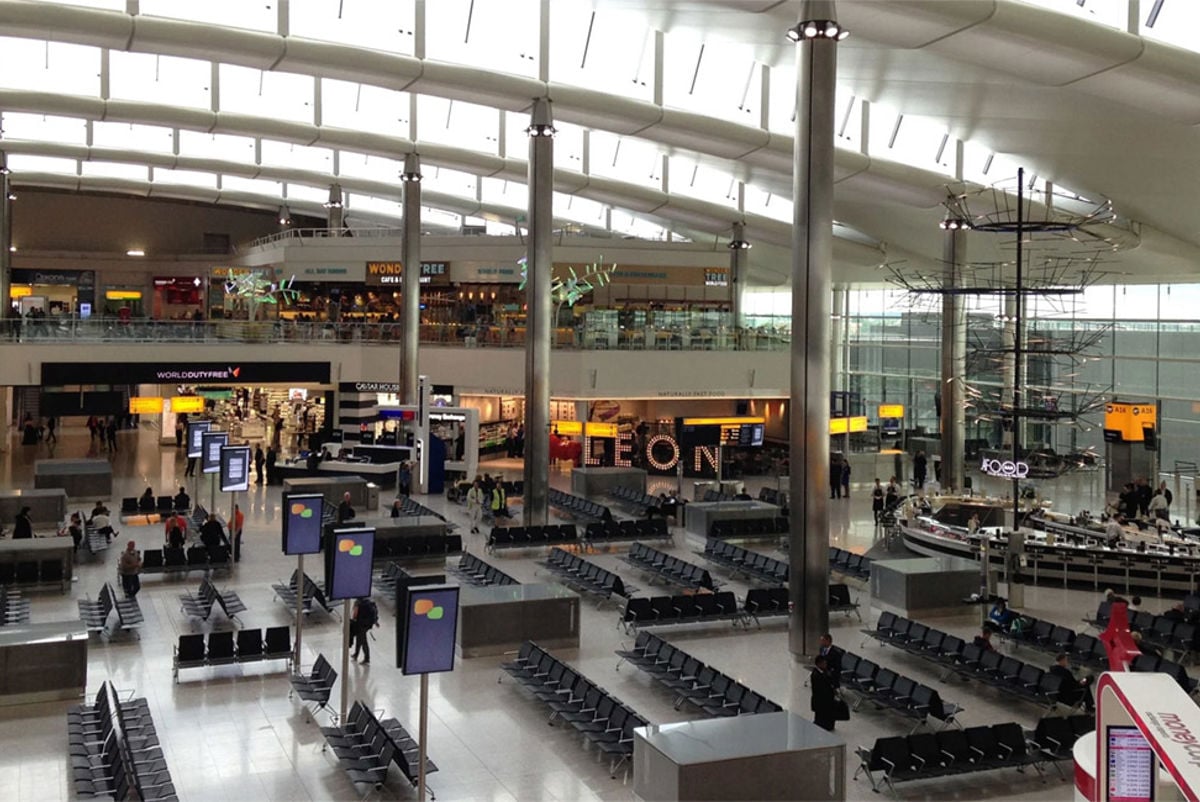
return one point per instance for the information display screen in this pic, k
(302, 522)
(348, 563)
(211, 444)
(195, 429)
(430, 629)
(235, 469)
(1130, 768)
(691, 435)
(745, 434)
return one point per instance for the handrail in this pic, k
(321, 233)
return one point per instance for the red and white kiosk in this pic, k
(1143, 721)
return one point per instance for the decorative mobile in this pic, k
(256, 289)
(570, 290)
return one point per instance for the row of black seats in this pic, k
(973, 661)
(366, 747)
(475, 571)
(13, 609)
(750, 563)
(925, 756)
(692, 681)
(748, 527)
(313, 593)
(849, 563)
(586, 576)
(32, 572)
(170, 560)
(716, 495)
(164, 505)
(578, 505)
(668, 567)
(411, 507)
(115, 751)
(417, 546)
(226, 648)
(889, 690)
(1051, 638)
(641, 502)
(95, 613)
(1180, 633)
(641, 529)
(772, 496)
(688, 608)
(527, 537)
(207, 598)
(600, 717)
(314, 687)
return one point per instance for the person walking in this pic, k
(920, 469)
(824, 695)
(846, 479)
(345, 510)
(51, 425)
(239, 520)
(260, 459)
(179, 429)
(363, 619)
(129, 566)
(272, 457)
(404, 478)
(877, 498)
(835, 476)
(23, 526)
(475, 505)
(110, 431)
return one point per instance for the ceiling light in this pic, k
(285, 216)
(335, 197)
(817, 29)
(739, 245)
(12, 248)
(955, 224)
(135, 252)
(12, 195)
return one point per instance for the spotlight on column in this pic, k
(4, 164)
(335, 197)
(955, 224)
(412, 170)
(540, 124)
(285, 216)
(807, 30)
(739, 245)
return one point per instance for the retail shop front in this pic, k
(59, 293)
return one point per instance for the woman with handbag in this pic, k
(827, 707)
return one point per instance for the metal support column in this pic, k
(5, 239)
(837, 339)
(336, 212)
(410, 312)
(816, 36)
(738, 253)
(954, 359)
(538, 324)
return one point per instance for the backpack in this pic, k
(368, 614)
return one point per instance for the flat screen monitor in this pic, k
(302, 522)
(235, 469)
(1130, 766)
(195, 429)
(348, 563)
(430, 629)
(211, 444)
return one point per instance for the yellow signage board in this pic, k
(891, 411)
(858, 423)
(146, 405)
(187, 403)
(839, 425)
(574, 428)
(601, 430)
(1130, 419)
(721, 421)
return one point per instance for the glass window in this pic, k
(626, 158)
(1134, 378)
(282, 95)
(634, 226)
(159, 79)
(371, 204)
(216, 146)
(1137, 302)
(695, 180)
(1105, 12)
(581, 210)
(256, 16)
(377, 168)
(299, 157)
(346, 104)
(504, 193)
(303, 192)
(133, 137)
(192, 178)
(455, 122)
(609, 49)
(44, 128)
(19, 163)
(440, 218)
(361, 23)
(568, 147)
(719, 79)
(496, 36)
(1176, 24)
(109, 5)
(133, 172)
(1179, 302)
(257, 186)
(1096, 303)
(451, 182)
(38, 66)
(768, 204)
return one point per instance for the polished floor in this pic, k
(231, 733)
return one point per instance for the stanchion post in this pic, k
(345, 658)
(422, 733)
(299, 609)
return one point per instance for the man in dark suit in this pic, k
(833, 658)
(1072, 691)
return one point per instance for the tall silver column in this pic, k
(5, 240)
(816, 35)
(538, 324)
(954, 359)
(738, 252)
(837, 339)
(410, 312)
(335, 217)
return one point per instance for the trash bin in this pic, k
(372, 496)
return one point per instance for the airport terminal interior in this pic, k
(203, 211)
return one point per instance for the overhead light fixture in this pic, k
(285, 216)
(540, 123)
(135, 252)
(955, 224)
(12, 195)
(412, 169)
(335, 197)
(12, 248)
(807, 30)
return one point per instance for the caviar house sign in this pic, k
(1004, 469)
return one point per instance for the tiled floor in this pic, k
(231, 733)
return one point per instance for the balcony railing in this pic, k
(642, 338)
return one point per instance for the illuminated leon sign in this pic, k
(1004, 469)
